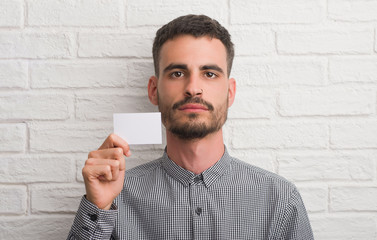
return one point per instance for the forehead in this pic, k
(193, 51)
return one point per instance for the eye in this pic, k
(210, 75)
(176, 74)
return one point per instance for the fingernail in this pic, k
(128, 153)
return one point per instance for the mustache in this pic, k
(187, 100)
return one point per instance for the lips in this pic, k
(193, 104)
(193, 107)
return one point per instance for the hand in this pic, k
(104, 171)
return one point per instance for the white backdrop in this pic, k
(305, 106)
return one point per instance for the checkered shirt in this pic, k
(230, 200)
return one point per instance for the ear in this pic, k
(152, 90)
(231, 91)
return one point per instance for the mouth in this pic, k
(193, 108)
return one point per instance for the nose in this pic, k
(193, 88)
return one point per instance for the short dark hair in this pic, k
(197, 26)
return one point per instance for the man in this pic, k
(195, 190)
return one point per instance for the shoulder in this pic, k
(250, 174)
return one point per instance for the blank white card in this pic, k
(138, 128)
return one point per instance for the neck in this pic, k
(195, 155)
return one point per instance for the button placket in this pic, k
(198, 211)
(93, 217)
(198, 199)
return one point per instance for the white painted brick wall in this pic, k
(271, 11)
(273, 72)
(315, 198)
(353, 11)
(357, 198)
(325, 41)
(35, 45)
(33, 168)
(11, 13)
(115, 45)
(13, 74)
(77, 75)
(344, 227)
(146, 12)
(55, 198)
(349, 70)
(84, 13)
(35, 106)
(12, 137)
(278, 135)
(306, 74)
(13, 200)
(327, 102)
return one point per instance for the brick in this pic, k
(32, 227)
(270, 11)
(325, 42)
(353, 70)
(86, 13)
(102, 106)
(279, 72)
(353, 135)
(13, 199)
(56, 198)
(68, 137)
(12, 137)
(351, 10)
(332, 101)
(314, 198)
(253, 42)
(28, 169)
(115, 45)
(263, 160)
(279, 135)
(13, 74)
(144, 12)
(326, 166)
(35, 106)
(35, 45)
(356, 198)
(347, 227)
(138, 73)
(11, 13)
(78, 75)
(253, 103)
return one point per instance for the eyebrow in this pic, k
(175, 66)
(184, 67)
(212, 67)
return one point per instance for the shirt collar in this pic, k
(186, 177)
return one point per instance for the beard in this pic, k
(194, 127)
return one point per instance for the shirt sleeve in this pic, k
(296, 223)
(93, 223)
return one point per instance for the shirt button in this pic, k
(198, 211)
(198, 178)
(93, 217)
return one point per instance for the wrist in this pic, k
(100, 206)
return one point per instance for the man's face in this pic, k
(193, 91)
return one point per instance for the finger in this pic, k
(114, 165)
(122, 164)
(108, 153)
(91, 172)
(114, 140)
